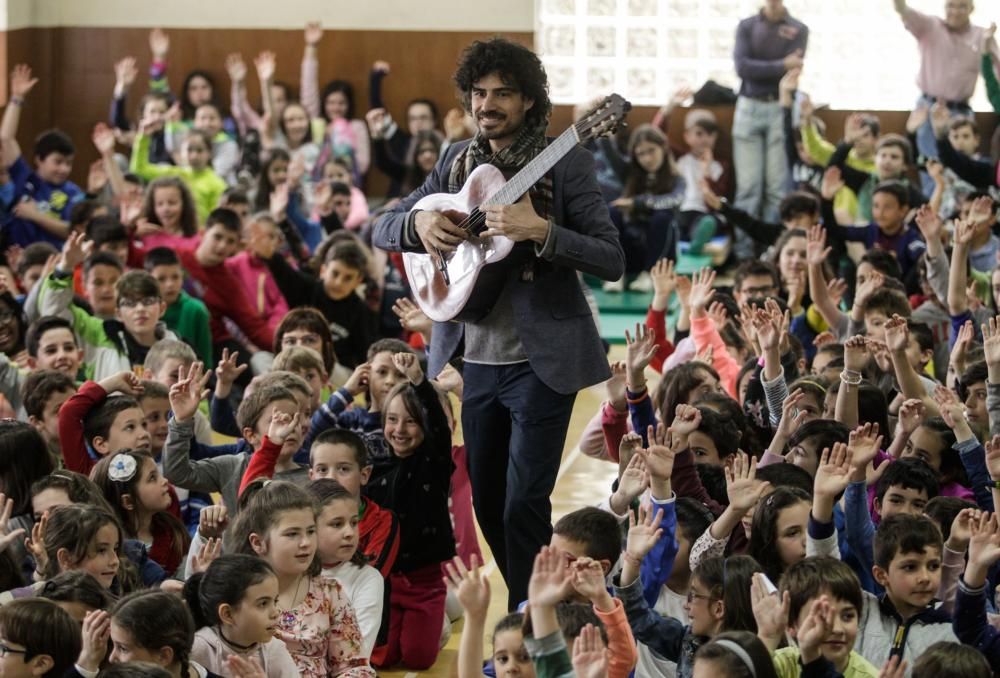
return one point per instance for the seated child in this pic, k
(224, 472)
(185, 315)
(342, 269)
(40, 638)
(52, 345)
(46, 195)
(163, 365)
(109, 235)
(31, 265)
(101, 271)
(893, 156)
(253, 273)
(43, 394)
(810, 584)
(94, 423)
(306, 363)
(111, 346)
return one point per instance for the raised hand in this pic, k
(104, 139)
(816, 250)
(639, 353)
(806, 109)
(283, 427)
(357, 383)
(814, 630)
(615, 386)
(940, 118)
(227, 372)
(75, 250)
(935, 170)
(189, 391)
(411, 317)
(8, 536)
(265, 63)
(21, 82)
(742, 488)
(768, 330)
(961, 529)
(863, 445)
(833, 474)
(471, 586)
(590, 657)
(984, 548)
(791, 416)
(717, 312)
(236, 67)
(918, 116)
(853, 128)
(212, 521)
(159, 44)
(981, 211)
(911, 415)
(126, 382)
(408, 364)
(952, 409)
(965, 231)
(835, 289)
(833, 181)
(664, 282)
(96, 633)
(551, 579)
(868, 287)
(588, 579)
(790, 80)
(687, 419)
(684, 291)
(207, 553)
(929, 223)
(701, 290)
(635, 478)
(959, 352)
(35, 544)
(659, 455)
(897, 334)
(313, 33)
(125, 73)
(450, 380)
(769, 610)
(856, 353)
(376, 119)
(644, 533)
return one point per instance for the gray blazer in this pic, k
(553, 320)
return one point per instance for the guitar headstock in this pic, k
(603, 120)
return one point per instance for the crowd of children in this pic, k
(809, 489)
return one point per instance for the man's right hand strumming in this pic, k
(437, 232)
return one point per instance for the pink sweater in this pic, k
(259, 285)
(705, 334)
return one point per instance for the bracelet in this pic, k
(17, 101)
(995, 484)
(850, 377)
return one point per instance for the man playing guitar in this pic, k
(538, 345)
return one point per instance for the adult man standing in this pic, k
(538, 345)
(951, 51)
(768, 44)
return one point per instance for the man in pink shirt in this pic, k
(951, 51)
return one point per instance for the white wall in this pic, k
(404, 15)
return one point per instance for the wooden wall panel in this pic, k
(76, 75)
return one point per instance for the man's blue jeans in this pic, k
(760, 163)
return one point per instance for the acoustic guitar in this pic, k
(464, 284)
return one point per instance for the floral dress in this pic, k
(322, 633)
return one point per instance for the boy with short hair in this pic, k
(40, 638)
(219, 288)
(887, 228)
(32, 263)
(893, 156)
(110, 346)
(341, 455)
(162, 365)
(109, 235)
(43, 394)
(43, 197)
(808, 583)
(94, 423)
(101, 271)
(52, 345)
(186, 316)
(333, 292)
(880, 307)
(908, 566)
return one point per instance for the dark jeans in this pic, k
(514, 428)
(646, 237)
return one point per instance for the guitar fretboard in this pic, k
(529, 175)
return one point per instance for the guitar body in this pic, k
(472, 285)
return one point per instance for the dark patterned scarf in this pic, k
(530, 141)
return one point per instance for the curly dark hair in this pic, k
(516, 65)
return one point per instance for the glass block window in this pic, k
(859, 54)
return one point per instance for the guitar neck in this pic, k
(529, 175)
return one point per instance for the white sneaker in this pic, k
(616, 286)
(643, 283)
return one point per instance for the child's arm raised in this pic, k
(634, 479)
(897, 339)
(663, 635)
(953, 557)
(743, 490)
(309, 77)
(971, 452)
(20, 84)
(832, 477)
(438, 434)
(638, 354)
(855, 359)
(958, 275)
(207, 475)
(863, 444)
(73, 411)
(588, 580)
(472, 588)
(991, 349)
(970, 624)
(262, 462)
(816, 254)
(550, 583)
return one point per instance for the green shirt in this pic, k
(188, 318)
(205, 185)
(786, 665)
